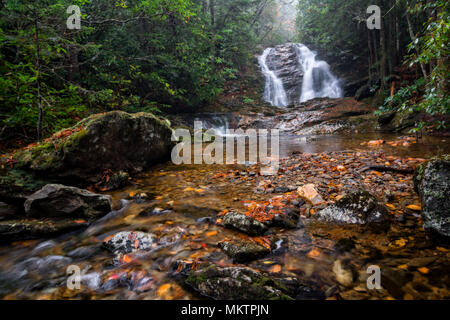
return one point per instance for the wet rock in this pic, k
(244, 224)
(309, 193)
(240, 283)
(93, 281)
(82, 253)
(115, 181)
(51, 265)
(244, 251)
(344, 272)
(8, 212)
(149, 212)
(357, 207)
(43, 246)
(56, 200)
(345, 245)
(114, 140)
(288, 219)
(17, 185)
(393, 280)
(432, 182)
(130, 241)
(25, 229)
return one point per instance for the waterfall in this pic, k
(318, 81)
(274, 90)
(293, 67)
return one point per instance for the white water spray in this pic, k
(318, 81)
(274, 90)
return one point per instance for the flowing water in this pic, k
(274, 91)
(318, 81)
(185, 200)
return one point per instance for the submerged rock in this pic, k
(241, 283)
(358, 207)
(56, 200)
(244, 224)
(130, 241)
(25, 229)
(109, 141)
(432, 182)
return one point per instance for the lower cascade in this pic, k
(293, 74)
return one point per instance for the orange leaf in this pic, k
(275, 269)
(314, 253)
(423, 270)
(414, 207)
(211, 233)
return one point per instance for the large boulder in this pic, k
(432, 182)
(55, 200)
(358, 207)
(116, 141)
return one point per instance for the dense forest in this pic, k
(153, 55)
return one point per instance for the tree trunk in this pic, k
(211, 10)
(413, 38)
(38, 82)
(383, 56)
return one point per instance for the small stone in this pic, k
(309, 193)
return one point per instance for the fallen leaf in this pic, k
(414, 207)
(211, 233)
(314, 253)
(423, 270)
(275, 269)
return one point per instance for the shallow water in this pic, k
(36, 269)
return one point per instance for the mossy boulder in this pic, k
(242, 283)
(116, 141)
(432, 182)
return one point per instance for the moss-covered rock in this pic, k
(432, 182)
(241, 283)
(109, 141)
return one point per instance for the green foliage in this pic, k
(134, 55)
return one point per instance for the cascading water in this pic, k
(274, 90)
(293, 74)
(318, 81)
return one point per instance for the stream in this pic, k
(181, 204)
